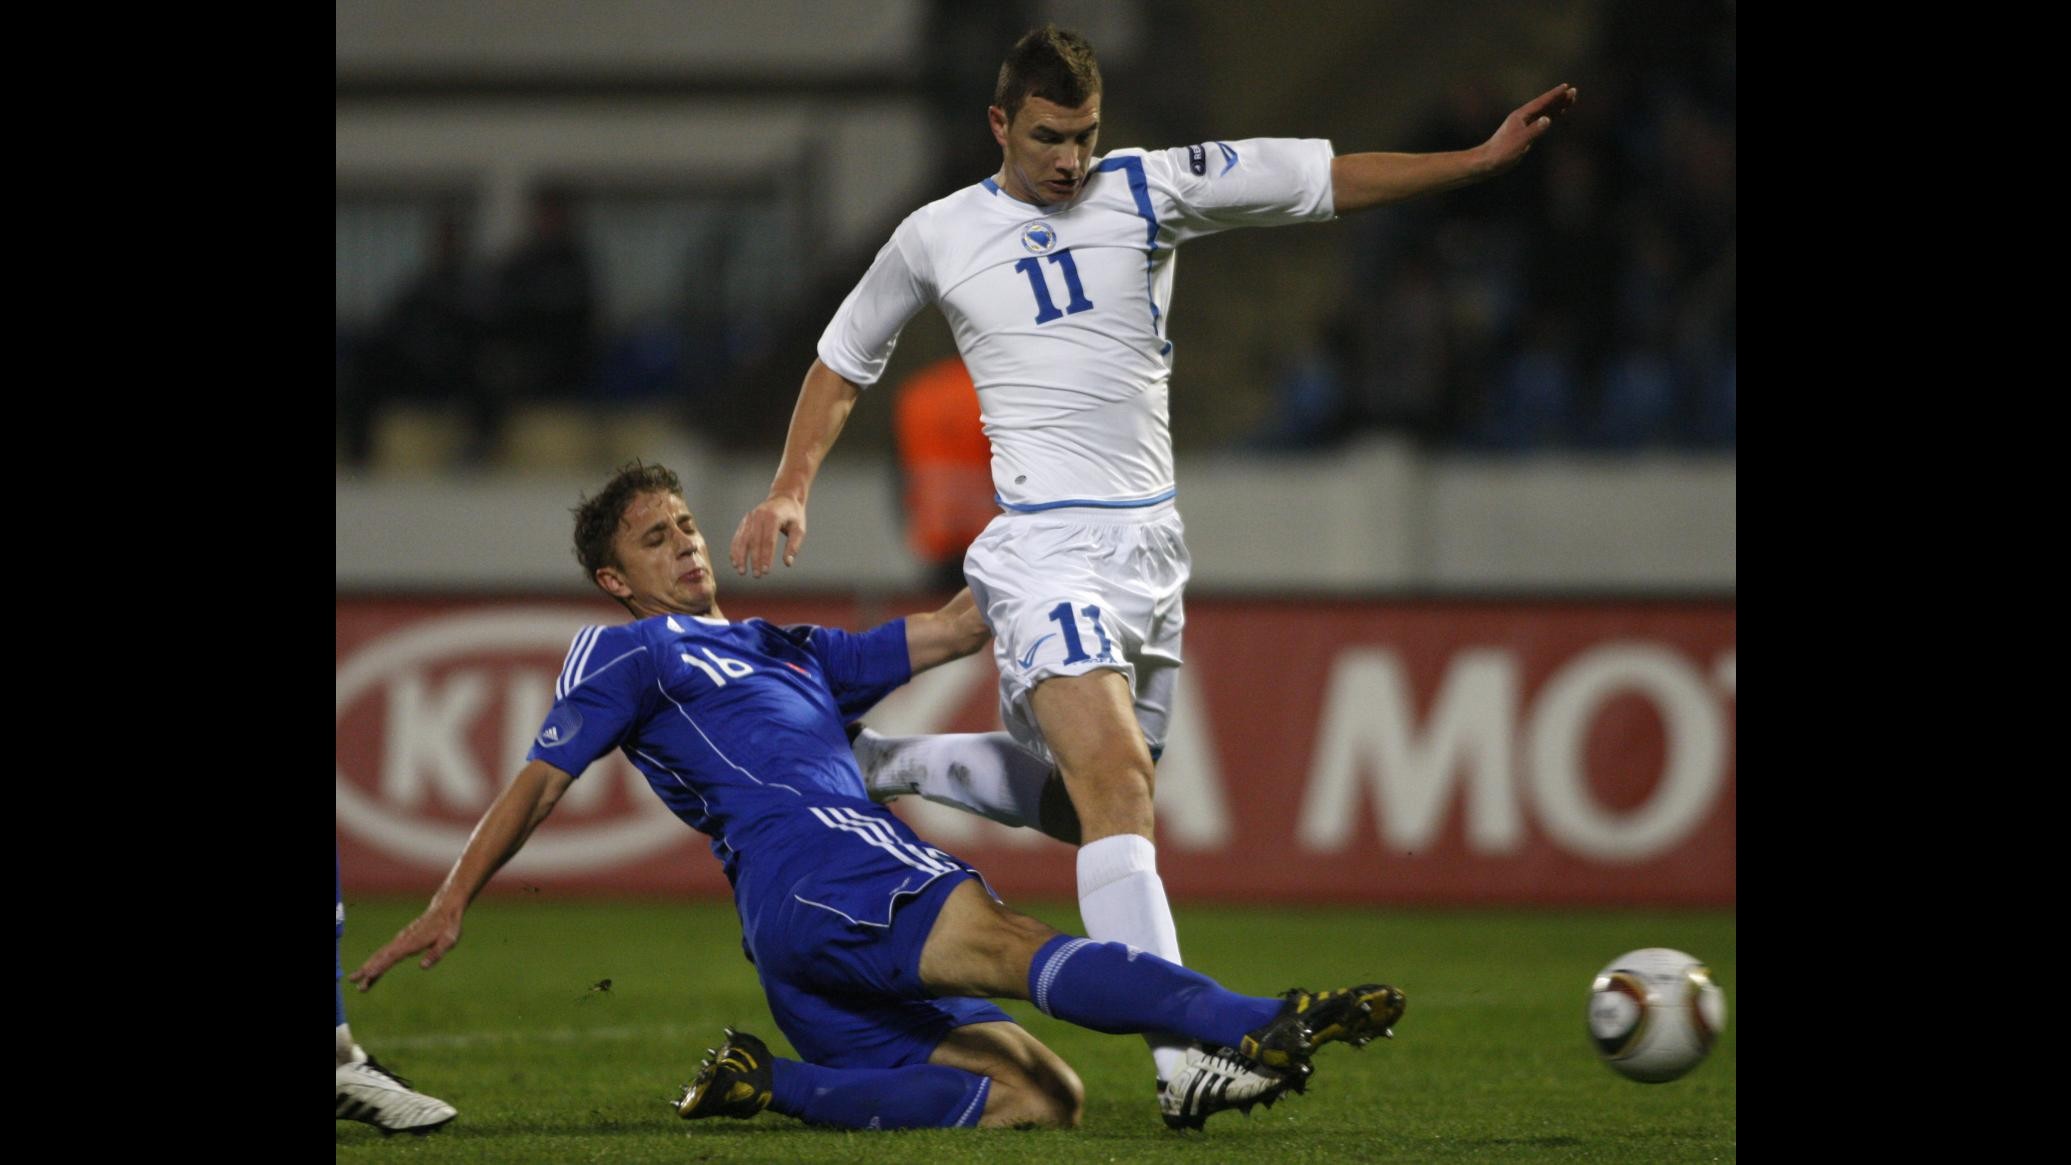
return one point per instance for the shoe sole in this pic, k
(419, 1130)
(695, 1092)
(686, 1107)
(1374, 1014)
(366, 1114)
(1290, 1041)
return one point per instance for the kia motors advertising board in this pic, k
(1456, 752)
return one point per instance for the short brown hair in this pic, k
(597, 518)
(1055, 64)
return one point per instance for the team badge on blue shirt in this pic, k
(1038, 237)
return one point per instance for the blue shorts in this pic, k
(836, 934)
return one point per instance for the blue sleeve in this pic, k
(862, 669)
(601, 694)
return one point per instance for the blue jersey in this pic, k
(738, 727)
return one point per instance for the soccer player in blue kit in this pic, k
(1056, 277)
(877, 952)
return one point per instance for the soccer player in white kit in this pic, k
(1055, 275)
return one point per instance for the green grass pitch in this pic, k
(1490, 1062)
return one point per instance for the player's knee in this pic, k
(1061, 1097)
(1114, 797)
(980, 947)
(1013, 938)
(1048, 1096)
(1066, 1094)
(1108, 808)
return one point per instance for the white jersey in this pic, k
(1059, 312)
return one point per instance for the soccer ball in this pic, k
(1654, 1013)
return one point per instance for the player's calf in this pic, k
(984, 773)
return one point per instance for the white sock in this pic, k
(1122, 899)
(348, 1051)
(984, 773)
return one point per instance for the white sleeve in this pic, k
(1257, 182)
(860, 338)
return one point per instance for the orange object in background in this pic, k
(946, 464)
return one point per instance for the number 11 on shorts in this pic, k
(1074, 649)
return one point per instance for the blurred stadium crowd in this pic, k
(1586, 301)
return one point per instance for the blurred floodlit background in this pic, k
(569, 234)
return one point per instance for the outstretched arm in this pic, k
(953, 632)
(1358, 181)
(824, 402)
(497, 839)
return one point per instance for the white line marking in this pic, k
(563, 1035)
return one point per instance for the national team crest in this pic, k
(1038, 238)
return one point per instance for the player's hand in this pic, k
(427, 930)
(755, 542)
(1515, 136)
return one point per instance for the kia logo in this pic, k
(441, 681)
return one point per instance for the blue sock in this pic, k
(917, 1096)
(1111, 987)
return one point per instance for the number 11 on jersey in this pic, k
(1046, 310)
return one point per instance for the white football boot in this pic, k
(1214, 1079)
(370, 1093)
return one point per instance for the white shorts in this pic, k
(1069, 591)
